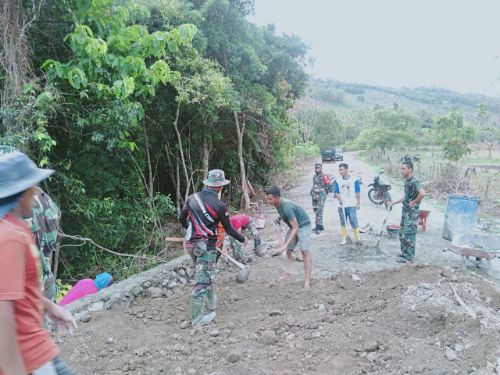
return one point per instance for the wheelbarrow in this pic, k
(422, 219)
(482, 248)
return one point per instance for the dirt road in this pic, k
(329, 257)
(365, 314)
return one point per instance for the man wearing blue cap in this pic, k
(25, 346)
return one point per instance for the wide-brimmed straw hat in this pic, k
(18, 173)
(216, 178)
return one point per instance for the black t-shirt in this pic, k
(201, 215)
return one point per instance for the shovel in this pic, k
(379, 250)
(285, 265)
(244, 270)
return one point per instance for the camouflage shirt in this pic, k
(45, 223)
(412, 186)
(321, 183)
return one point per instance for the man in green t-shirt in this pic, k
(299, 231)
(414, 194)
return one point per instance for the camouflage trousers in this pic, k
(318, 203)
(204, 259)
(236, 248)
(408, 232)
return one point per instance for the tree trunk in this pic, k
(178, 185)
(14, 60)
(174, 176)
(181, 151)
(150, 182)
(206, 156)
(240, 131)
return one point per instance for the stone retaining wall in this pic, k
(160, 281)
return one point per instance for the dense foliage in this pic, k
(132, 102)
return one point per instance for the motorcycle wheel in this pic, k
(374, 196)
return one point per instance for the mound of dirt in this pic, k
(396, 321)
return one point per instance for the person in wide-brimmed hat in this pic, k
(44, 223)
(25, 346)
(200, 217)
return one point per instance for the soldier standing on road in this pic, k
(414, 194)
(319, 191)
(200, 216)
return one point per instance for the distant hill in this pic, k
(342, 96)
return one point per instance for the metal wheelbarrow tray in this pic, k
(480, 250)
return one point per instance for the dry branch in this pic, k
(89, 240)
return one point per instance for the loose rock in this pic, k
(155, 292)
(371, 346)
(276, 312)
(233, 357)
(214, 333)
(268, 337)
(450, 354)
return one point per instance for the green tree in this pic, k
(453, 135)
(389, 129)
(487, 132)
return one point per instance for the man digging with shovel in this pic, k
(299, 231)
(200, 216)
(242, 222)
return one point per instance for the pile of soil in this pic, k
(397, 321)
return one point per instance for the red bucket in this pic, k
(393, 231)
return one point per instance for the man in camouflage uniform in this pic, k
(414, 194)
(44, 224)
(319, 191)
(201, 216)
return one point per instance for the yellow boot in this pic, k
(343, 233)
(356, 235)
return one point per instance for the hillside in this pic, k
(342, 96)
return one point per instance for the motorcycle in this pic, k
(379, 193)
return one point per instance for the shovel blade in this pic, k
(242, 275)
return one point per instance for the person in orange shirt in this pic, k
(25, 346)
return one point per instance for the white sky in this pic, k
(447, 43)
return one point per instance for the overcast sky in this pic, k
(447, 43)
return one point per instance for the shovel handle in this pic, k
(232, 260)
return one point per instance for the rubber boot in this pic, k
(321, 227)
(197, 313)
(212, 300)
(356, 235)
(343, 234)
(317, 230)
